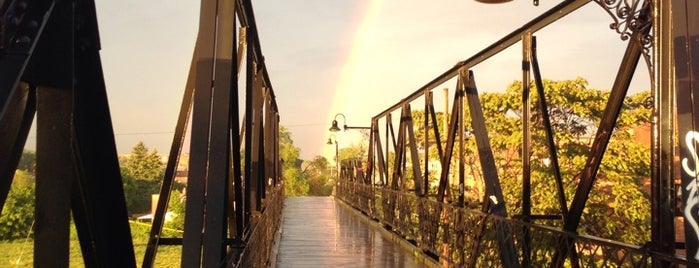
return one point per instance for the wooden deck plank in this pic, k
(320, 232)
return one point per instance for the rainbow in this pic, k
(365, 19)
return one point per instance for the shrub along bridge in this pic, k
(234, 192)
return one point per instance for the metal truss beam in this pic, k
(223, 197)
(601, 140)
(53, 46)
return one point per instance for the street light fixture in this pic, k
(493, 1)
(337, 161)
(536, 2)
(335, 128)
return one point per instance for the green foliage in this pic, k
(176, 206)
(419, 128)
(288, 152)
(19, 252)
(141, 173)
(138, 193)
(18, 213)
(23, 178)
(318, 173)
(28, 161)
(617, 208)
(143, 165)
(295, 182)
(354, 151)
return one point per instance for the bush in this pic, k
(18, 213)
(176, 205)
(138, 194)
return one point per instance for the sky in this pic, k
(354, 57)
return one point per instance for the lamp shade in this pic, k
(493, 1)
(334, 127)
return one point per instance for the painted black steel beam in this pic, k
(495, 199)
(417, 175)
(247, 19)
(22, 27)
(371, 155)
(443, 188)
(195, 215)
(601, 140)
(236, 189)
(53, 179)
(397, 179)
(14, 129)
(462, 140)
(218, 174)
(551, 144)
(256, 166)
(383, 169)
(198, 156)
(526, 147)
(95, 148)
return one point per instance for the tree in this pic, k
(176, 206)
(318, 174)
(617, 208)
(141, 175)
(143, 165)
(354, 151)
(294, 181)
(28, 161)
(18, 213)
(138, 193)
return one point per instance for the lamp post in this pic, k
(335, 128)
(332, 140)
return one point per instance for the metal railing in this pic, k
(464, 237)
(395, 188)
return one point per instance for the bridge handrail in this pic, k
(257, 252)
(451, 232)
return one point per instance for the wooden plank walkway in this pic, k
(322, 232)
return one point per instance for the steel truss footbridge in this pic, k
(50, 68)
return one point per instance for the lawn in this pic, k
(19, 252)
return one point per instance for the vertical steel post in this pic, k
(54, 177)
(526, 146)
(199, 154)
(14, 129)
(443, 189)
(663, 133)
(95, 149)
(214, 244)
(426, 143)
(56, 163)
(686, 62)
(236, 141)
(462, 140)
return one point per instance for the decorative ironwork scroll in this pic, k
(631, 16)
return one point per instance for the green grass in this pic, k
(19, 252)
